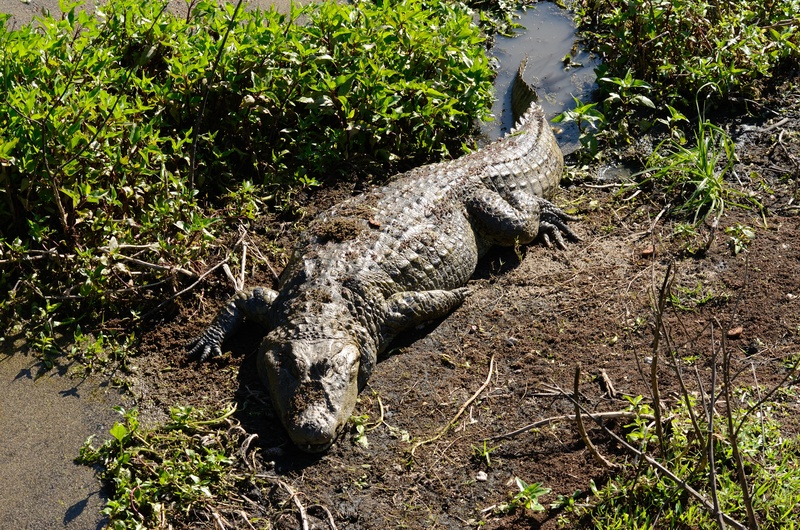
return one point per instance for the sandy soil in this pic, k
(45, 416)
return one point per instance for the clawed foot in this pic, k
(208, 345)
(553, 222)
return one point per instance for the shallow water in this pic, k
(44, 420)
(547, 36)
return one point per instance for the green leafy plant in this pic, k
(694, 176)
(590, 121)
(360, 428)
(643, 499)
(527, 498)
(691, 298)
(616, 119)
(640, 430)
(483, 452)
(741, 236)
(717, 457)
(679, 47)
(126, 130)
(166, 473)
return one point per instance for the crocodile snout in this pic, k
(314, 386)
(314, 431)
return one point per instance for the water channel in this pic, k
(557, 66)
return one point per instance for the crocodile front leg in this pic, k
(254, 306)
(552, 222)
(411, 308)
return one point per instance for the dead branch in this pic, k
(227, 270)
(147, 264)
(684, 390)
(460, 411)
(733, 436)
(579, 423)
(712, 469)
(380, 420)
(246, 447)
(733, 433)
(264, 259)
(607, 386)
(186, 290)
(659, 315)
(331, 522)
(246, 519)
(293, 496)
(218, 521)
(699, 497)
(240, 285)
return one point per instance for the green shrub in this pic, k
(640, 497)
(693, 175)
(119, 127)
(680, 46)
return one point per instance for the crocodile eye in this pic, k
(288, 364)
(347, 357)
(325, 366)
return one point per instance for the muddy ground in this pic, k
(533, 315)
(537, 315)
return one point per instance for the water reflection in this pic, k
(547, 37)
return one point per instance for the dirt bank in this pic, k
(538, 315)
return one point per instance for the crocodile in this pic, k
(387, 261)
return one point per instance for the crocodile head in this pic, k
(314, 386)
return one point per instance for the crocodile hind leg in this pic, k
(553, 222)
(253, 306)
(518, 221)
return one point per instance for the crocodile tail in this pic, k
(523, 95)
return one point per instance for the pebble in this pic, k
(735, 333)
(648, 251)
(481, 476)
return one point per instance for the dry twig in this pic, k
(661, 302)
(460, 411)
(328, 513)
(186, 290)
(699, 497)
(293, 496)
(218, 521)
(616, 414)
(579, 423)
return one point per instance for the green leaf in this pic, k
(119, 431)
(643, 101)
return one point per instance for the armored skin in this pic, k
(385, 261)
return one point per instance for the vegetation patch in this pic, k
(165, 474)
(681, 47)
(131, 138)
(666, 67)
(640, 496)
